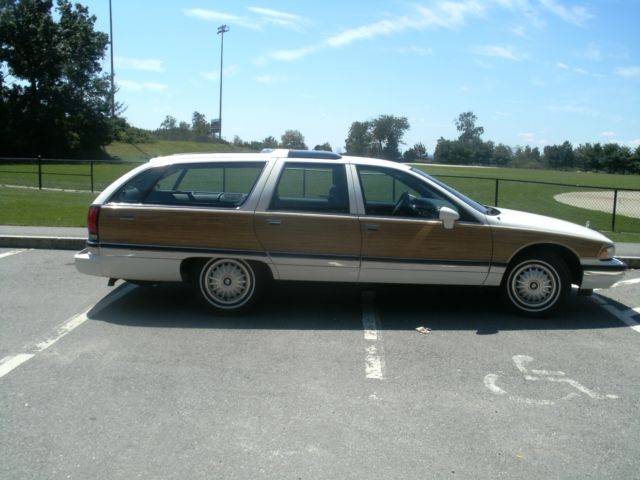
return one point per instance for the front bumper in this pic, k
(603, 274)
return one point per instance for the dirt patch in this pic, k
(628, 202)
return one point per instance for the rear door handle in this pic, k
(126, 217)
(275, 222)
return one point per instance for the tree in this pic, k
(59, 101)
(387, 133)
(293, 139)
(417, 153)
(269, 142)
(379, 138)
(466, 125)
(359, 139)
(199, 126)
(325, 147)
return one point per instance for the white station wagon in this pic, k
(229, 223)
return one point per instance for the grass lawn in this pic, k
(42, 208)
(29, 207)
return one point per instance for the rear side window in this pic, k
(198, 185)
(311, 187)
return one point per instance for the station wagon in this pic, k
(230, 223)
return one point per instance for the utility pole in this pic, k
(222, 29)
(113, 85)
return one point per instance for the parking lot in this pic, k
(319, 381)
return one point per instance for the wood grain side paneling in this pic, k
(215, 229)
(426, 240)
(508, 241)
(311, 234)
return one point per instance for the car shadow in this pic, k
(325, 306)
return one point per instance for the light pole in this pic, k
(113, 87)
(222, 29)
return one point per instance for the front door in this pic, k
(403, 241)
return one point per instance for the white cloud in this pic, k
(413, 49)
(215, 16)
(276, 17)
(446, 14)
(290, 55)
(628, 72)
(131, 86)
(214, 75)
(607, 134)
(575, 15)
(561, 65)
(507, 53)
(634, 143)
(270, 79)
(147, 64)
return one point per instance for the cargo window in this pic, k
(198, 185)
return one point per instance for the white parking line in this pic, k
(9, 363)
(374, 359)
(623, 315)
(14, 252)
(621, 283)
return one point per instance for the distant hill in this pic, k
(140, 152)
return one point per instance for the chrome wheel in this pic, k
(227, 284)
(537, 284)
(534, 285)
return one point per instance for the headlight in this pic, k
(607, 253)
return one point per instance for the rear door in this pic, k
(305, 224)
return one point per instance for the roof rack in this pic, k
(318, 154)
(314, 154)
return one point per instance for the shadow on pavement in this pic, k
(322, 306)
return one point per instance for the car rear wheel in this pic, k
(227, 285)
(537, 283)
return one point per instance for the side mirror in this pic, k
(448, 217)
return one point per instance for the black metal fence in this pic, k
(63, 174)
(603, 208)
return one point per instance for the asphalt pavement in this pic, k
(316, 382)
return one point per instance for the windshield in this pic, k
(460, 196)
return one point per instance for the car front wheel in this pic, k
(537, 284)
(227, 285)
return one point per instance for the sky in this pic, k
(535, 72)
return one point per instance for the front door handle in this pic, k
(373, 227)
(275, 222)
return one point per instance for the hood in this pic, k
(541, 223)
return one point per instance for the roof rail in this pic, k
(314, 154)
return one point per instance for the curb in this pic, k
(44, 242)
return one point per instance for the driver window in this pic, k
(393, 193)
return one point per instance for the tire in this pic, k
(226, 285)
(537, 284)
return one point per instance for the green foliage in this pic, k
(293, 139)
(325, 147)
(58, 103)
(199, 130)
(378, 138)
